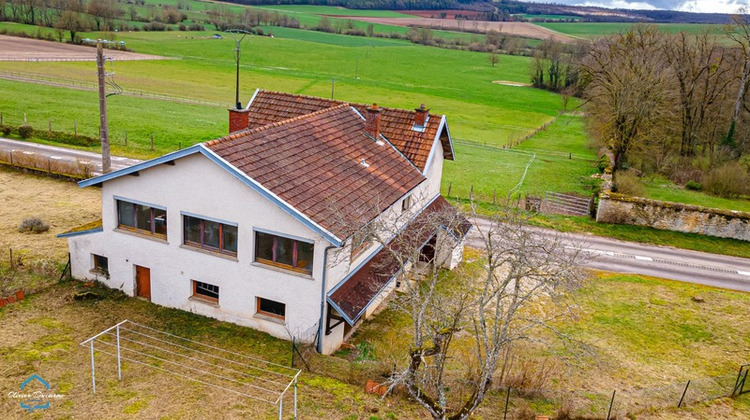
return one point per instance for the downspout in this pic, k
(323, 298)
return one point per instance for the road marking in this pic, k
(743, 273)
(638, 257)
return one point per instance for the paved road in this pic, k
(651, 260)
(63, 153)
(607, 254)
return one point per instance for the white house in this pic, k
(257, 228)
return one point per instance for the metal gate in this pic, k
(568, 204)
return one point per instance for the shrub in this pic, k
(33, 225)
(728, 180)
(693, 186)
(25, 131)
(5, 129)
(628, 183)
(196, 27)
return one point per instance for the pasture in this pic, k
(398, 74)
(590, 30)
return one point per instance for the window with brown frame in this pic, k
(205, 291)
(142, 218)
(210, 235)
(101, 264)
(282, 252)
(270, 308)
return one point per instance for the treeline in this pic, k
(365, 4)
(672, 104)
(101, 15)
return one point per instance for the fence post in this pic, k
(507, 400)
(494, 196)
(119, 364)
(292, 352)
(93, 375)
(179, 146)
(126, 137)
(75, 127)
(152, 141)
(450, 184)
(611, 403)
(1, 118)
(49, 125)
(471, 193)
(679, 404)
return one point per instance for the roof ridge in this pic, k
(246, 132)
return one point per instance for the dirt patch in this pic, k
(523, 29)
(59, 203)
(25, 49)
(449, 13)
(507, 83)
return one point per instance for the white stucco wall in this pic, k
(196, 185)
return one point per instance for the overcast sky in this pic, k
(702, 6)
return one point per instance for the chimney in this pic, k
(372, 121)
(420, 118)
(239, 119)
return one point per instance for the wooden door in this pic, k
(143, 282)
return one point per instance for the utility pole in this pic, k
(238, 35)
(103, 127)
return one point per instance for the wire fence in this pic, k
(235, 373)
(93, 86)
(615, 404)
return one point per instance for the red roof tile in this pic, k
(396, 124)
(313, 162)
(357, 292)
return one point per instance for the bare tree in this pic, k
(104, 12)
(629, 95)
(73, 22)
(704, 73)
(462, 325)
(739, 32)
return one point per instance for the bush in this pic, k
(728, 180)
(693, 186)
(25, 131)
(628, 183)
(196, 27)
(5, 129)
(33, 225)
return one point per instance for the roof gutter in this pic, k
(323, 299)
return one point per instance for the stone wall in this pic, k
(66, 167)
(622, 209)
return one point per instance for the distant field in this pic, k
(595, 29)
(458, 83)
(551, 17)
(333, 11)
(522, 29)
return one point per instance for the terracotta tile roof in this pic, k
(396, 124)
(313, 162)
(357, 292)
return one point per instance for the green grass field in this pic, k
(458, 83)
(333, 11)
(597, 29)
(495, 172)
(663, 189)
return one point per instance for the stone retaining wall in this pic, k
(70, 168)
(622, 209)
